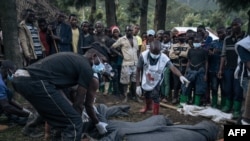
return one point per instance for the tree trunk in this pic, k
(160, 14)
(93, 11)
(110, 13)
(10, 31)
(248, 30)
(144, 14)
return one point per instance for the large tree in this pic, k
(11, 14)
(110, 7)
(8, 16)
(144, 15)
(236, 5)
(160, 14)
(93, 11)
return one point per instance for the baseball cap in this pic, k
(151, 32)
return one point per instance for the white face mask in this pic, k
(196, 45)
(98, 68)
(154, 56)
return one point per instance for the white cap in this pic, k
(151, 32)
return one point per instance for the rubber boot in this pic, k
(183, 100)
(111, 89)
(132, 90)
(106, 88)
(156, 108)
(148, 106)
(214, 101)
(222, 102)
(101, 89)
(236, 109)
(227, 107)
(197, 100)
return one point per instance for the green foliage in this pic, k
(64, 4)
(176, 13)
(200, 5)
(234, 5)
(192, 20)
(133, 11)
(179, 12)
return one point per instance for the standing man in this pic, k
(242, 49)
(214, 53)
(30, 42)
(233, 91)
(136, 31)
(60, 35)
(76, 34)
(151, 66)
(196, 72)
(178, 55)
(129, 47)
(42, 23)
(87, 38)
(165, 86)
(41, 82)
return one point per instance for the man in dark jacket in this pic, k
(41, 82)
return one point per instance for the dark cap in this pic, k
(237, 20)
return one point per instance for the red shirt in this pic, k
(44, 42)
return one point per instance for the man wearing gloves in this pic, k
(150, 67)
(41, 82)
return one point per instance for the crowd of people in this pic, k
(65, 64)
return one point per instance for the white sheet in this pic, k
(215, 114)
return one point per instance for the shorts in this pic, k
(128, 74)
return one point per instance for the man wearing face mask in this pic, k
(196, 72)
(41, 82)
(7, 104)
(150, 67)
(178, 55)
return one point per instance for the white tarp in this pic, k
(215, 114)
(184, 29)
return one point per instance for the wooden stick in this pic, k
(54, 42)
(168, 106)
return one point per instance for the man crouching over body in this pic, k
(41, 82)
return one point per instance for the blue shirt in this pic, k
(3, 89)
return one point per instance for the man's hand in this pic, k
(184, 80)
(101, 127)
(138, 91)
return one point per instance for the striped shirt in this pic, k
(36, 41)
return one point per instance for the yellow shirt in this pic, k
(75, 38)
(139, 40)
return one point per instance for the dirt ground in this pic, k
(14, 133)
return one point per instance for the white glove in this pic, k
(236, 72)
(138, 91)
(184, 80)
(101, 127)
(27, 110)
